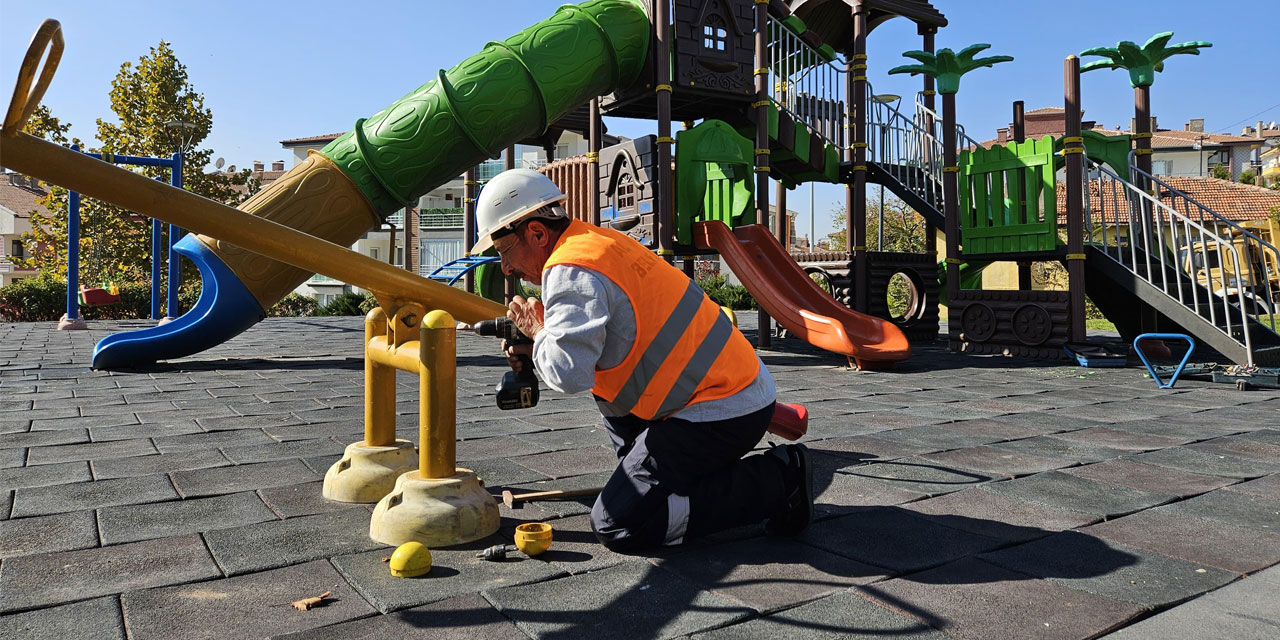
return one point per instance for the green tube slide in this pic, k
(511, 90)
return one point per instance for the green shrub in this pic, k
(369, 303)
(347, 304)
(34, 299)
(293, 305)
(734, 296)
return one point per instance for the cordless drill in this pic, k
(518, 389)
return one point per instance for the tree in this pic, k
(903, 226)
(116, 244)
(1220, 172)
(1248, 176)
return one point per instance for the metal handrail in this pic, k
(807, 86)
(925, 114)
(1256, 250)
(1150, 228)
(907, 144)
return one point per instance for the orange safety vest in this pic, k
(686, 351)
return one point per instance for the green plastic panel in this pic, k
(511, 90)
(1008, 198)
(715, 166)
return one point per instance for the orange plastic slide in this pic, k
(797, 302)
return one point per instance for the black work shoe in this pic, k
(798, 511)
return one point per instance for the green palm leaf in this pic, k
(1142, 63)
(946, 66)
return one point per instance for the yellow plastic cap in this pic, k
(533, 537)
(410, 560)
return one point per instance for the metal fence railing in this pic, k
(807, 84)
(1189, 260)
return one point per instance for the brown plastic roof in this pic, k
(833, 19)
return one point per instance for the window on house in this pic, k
(373, 252)
(400, 256)
(17, 250)
(714, 35)
(1162, 167)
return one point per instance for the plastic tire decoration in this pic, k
(978, 322)
(1032, 325)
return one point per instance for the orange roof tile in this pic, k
(20, 200)
(1232, 200)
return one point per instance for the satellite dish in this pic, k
(218, 163)
(231, 169)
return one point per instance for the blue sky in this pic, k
(277, 70)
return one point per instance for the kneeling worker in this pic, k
(683, 394)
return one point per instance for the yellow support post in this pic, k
(368, 469)
(438, 397)
(436, 504)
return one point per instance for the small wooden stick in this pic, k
(510, 499)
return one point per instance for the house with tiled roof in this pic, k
(1232, 200)
(1186, 152)
(19, 196)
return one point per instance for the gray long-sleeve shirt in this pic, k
(589, 324)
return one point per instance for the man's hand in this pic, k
(513, 353)
(527, 315)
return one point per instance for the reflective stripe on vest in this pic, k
(685, 351)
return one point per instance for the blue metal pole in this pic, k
(175, 234)
(73, 253)
(157, 250)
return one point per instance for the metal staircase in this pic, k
(1199, 271)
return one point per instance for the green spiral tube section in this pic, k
(510, 91)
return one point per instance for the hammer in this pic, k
(510, 499)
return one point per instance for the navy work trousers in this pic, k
(678, 479)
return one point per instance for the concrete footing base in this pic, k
(367, 473)
(436, 512)
(71, 324)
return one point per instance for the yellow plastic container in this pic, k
(410, 560)
(533, 537)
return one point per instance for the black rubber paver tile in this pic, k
(179, 517)
(936, 437)
(896, 539)
(194, 441)
(1126, 472)
(90, 451)
(47, 534)
(1244, 610)
(161, 463)
(455, 571)
(769, 574)
(35, 501)
(848, 615)
(243, 606)
(1240, 509)
(145, 430)
(467, 617)
(609, 604)
(301, 500)
(997, 516)
(865, 448)
(278, 543)
(1057, 489)
(23, 438)
(1264, 487)
(1088, 563)
(574, 546)
(995, 461)
(1208, 542)
(572, 462)
(54, 578)
(1116, 439)
(1241, 446)
(1054, 447)
(244, 454)
(98, 618)
(921, 475)
(970, 598)
(1206, 462)
(245, 477)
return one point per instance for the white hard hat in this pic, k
(512, 197)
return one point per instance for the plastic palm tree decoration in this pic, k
(1143, 62)
(947, 67)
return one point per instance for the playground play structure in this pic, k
(770, 90)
